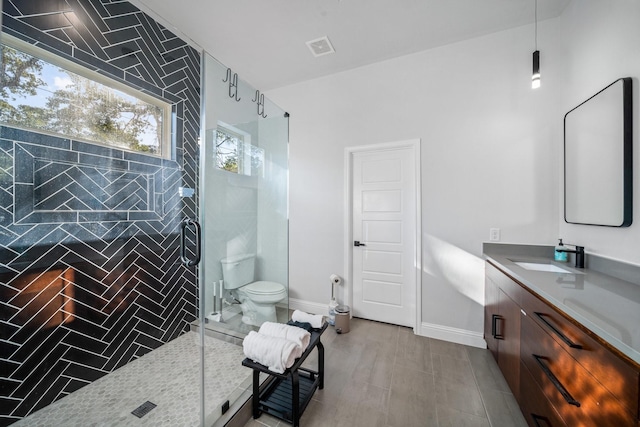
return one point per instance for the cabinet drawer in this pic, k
(613, 373)
(574, 393)
(537, 410)
(504, 282)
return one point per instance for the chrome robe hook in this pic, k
(232, 78)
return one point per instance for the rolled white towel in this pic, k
(314, 319)
(292, 333)
(277, 354)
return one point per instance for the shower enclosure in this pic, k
(245, 156)
(244, 203)
(99, 315)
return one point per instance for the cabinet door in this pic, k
(491, 315)
(509, 347)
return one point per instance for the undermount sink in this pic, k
(542, 266)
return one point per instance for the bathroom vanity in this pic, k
(567, 340)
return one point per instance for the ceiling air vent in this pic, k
(321, 46)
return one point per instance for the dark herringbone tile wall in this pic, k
(90, 277)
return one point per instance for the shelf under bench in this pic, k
(291, 391)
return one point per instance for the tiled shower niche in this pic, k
(90, 277)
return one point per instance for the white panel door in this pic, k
(384, 233)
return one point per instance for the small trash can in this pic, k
(342, 319)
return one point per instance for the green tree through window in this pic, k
(235, 153)
(38, 95)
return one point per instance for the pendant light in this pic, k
(535, 77)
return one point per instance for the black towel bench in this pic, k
(288, 395)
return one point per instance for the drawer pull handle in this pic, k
(537, 418)
(555, 381)
(560, 335)
(494, 326)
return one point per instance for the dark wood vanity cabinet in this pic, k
(491, 314)
(503, 328)
(535, 406)
(566, 376)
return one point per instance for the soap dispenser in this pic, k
(559, 255)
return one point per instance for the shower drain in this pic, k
(143, 409)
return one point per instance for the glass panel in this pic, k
(244, 191)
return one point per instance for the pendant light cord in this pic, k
(536, 24)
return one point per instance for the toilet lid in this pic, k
(262, 287)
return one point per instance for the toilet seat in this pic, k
(263, 288)
(263, 292)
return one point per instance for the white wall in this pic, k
(601, 44)
(490, 149)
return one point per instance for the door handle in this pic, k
(187, 222)
(537, 418)
(555, 381)
(560, 335)
(494, 327)
(357, 243)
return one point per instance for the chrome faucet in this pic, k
(579, 251)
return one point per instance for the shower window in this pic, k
(43, 92)
(234, 152)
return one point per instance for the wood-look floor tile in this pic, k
(380, 375)
(381, 332)
(362, 404)
(486, 370)
(448, 417)
(448, 349)
(339, 369)
(359, 417)
(411, 410)
(257, 423)
(333, 386)
(502, 409)
(458, 371)
(371, 396)
(265, 420)
(366, 363)
(413, 383)
(318, 414)
(458, 396)
(413, 351)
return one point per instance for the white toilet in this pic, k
(257, 299)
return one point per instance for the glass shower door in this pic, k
(244, 215)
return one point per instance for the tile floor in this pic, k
(167, 376)
(380, 375)
(377, 375)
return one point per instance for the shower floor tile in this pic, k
(169, 377)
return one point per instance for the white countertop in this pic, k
(607, 306)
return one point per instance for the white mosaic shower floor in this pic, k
(168, 376)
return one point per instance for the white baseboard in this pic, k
(458, 336)
(445, 333)
(309, 306)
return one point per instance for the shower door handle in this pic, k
(186, 223)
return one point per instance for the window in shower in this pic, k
(234, 152)
(43, 92)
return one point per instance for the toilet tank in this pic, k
(238, 270)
